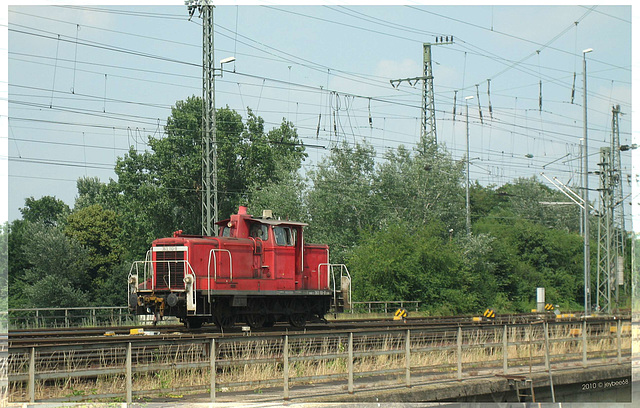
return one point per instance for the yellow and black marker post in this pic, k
(548, 307)
(490, 314)
(401, 314)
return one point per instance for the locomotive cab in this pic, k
(258, 271)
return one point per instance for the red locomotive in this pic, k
(257, 271)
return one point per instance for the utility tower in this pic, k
(606, 256)
(428, 114)
(209, 145)
(611, 228)
(618, 198)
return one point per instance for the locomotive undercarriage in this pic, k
(224, 311)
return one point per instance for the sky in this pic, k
(84, 82)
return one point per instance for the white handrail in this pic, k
(215, 268)
(328, 265)
(343, 272)
(215, 265)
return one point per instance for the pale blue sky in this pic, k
(87, 81)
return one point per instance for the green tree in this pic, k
(284, 197)
(92, 191)
(159, 191)
(530, 199)
(527, 255)
(47, 209)
(17, 262)
(4, 270)
(97, 230)
(476, 252)
(422, 185)
(57, 276)
(412, 262)
(342, 200)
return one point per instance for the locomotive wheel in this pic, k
(257, 317)
(297, 316)
(256, 320)
(298, 320)
(226, 321)
(193, 322)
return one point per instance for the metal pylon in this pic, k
(209, 145)
(606, 257)
(428, 117)
(611, 228)
(617, 199)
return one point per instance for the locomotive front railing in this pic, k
(343, 272)
(149, 268)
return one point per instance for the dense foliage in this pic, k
(398, 222)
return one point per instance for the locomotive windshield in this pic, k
(285, 236)
(259, 231)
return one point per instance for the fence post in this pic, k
(547, 364)
(505, 348)
(212, 364)
(350, 364)
(407, 357)
(93, 317)
(129, 376)
(547, 359)
(32, 375)
(619, 334)
(285, 368)
(584, 344)
(459, 354)
(66, 318)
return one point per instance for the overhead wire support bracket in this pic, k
(428, 112)
(576, 198)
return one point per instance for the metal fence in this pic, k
(385, 307)
(123, 369)
(70, 317)
(120, 315)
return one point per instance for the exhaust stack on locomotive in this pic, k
(258, 271)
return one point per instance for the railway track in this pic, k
(96, 335)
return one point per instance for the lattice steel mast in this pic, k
(611, 228)
(209, 145)
(428, 133)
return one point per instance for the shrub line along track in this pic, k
(120, 334)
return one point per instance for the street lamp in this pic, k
(226, 61)
(466, 103)
(585, 191)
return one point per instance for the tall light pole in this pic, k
(466, 104)
(585, 191)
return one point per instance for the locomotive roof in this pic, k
(268, 221)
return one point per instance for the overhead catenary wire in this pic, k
(353, 113)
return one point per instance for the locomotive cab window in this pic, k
(285, 236)
(259, 231)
